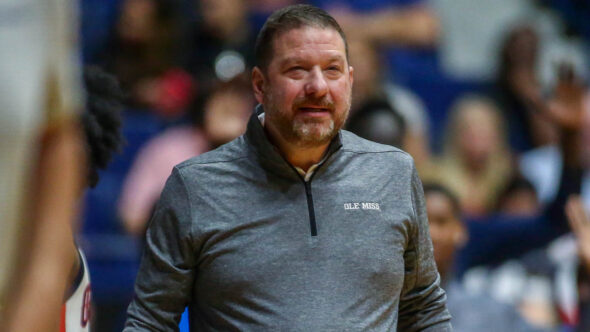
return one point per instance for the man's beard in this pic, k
(305, 131)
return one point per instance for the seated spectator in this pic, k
(503, 243)
(519, 91)
(378, 122)
(476, 162)
(543, 165)
(509, 231)
(470, 312)
(224, 115)
(519, 198)
(143, 53)
(370, 84)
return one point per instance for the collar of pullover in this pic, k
(268, 153)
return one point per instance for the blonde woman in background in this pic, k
(476, 160)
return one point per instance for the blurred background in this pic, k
(490, 97)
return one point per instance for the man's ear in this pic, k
(258, 84)
(350, 74)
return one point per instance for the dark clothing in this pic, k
(495, 239)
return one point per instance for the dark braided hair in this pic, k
(101, 120)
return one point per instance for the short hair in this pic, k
(377, 121)
(289, 18)
(101, 120)
(437, 188)
(518, 183)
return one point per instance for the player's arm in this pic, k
(165, 279)
(422, 304)
(50, 255)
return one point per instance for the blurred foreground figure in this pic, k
(41, 160)
(297, 224)
(101, 122)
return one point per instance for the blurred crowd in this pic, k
(490, 97)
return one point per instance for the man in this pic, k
(296, 225)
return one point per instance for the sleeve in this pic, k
(423, 302)
(164, 282)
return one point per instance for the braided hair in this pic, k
(101, 120)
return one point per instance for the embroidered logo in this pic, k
(362, 206)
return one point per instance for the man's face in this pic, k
(306, 88)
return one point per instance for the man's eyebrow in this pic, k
(336, 57)
(290, 60)
(298, 59)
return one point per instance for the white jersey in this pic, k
(39, 89)
(76, 311)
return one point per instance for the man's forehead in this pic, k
(296, 42)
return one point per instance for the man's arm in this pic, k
(164, 283)
(423, 302)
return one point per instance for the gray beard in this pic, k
(313, 133)
(299, 133)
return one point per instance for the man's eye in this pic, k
(296, 68)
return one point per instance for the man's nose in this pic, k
(316, 84)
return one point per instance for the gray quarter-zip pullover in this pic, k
(240, 238)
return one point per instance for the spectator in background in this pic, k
(370, 84)
(519, 198)
(520, 226)
(218, 118)
(519, 91)
(144, 54)
(470, 312)
(222, 42)
(376, 121)
(476, 161)
(533, 225)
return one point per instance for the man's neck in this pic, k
(302, 157)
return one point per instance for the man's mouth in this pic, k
(314, 109)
